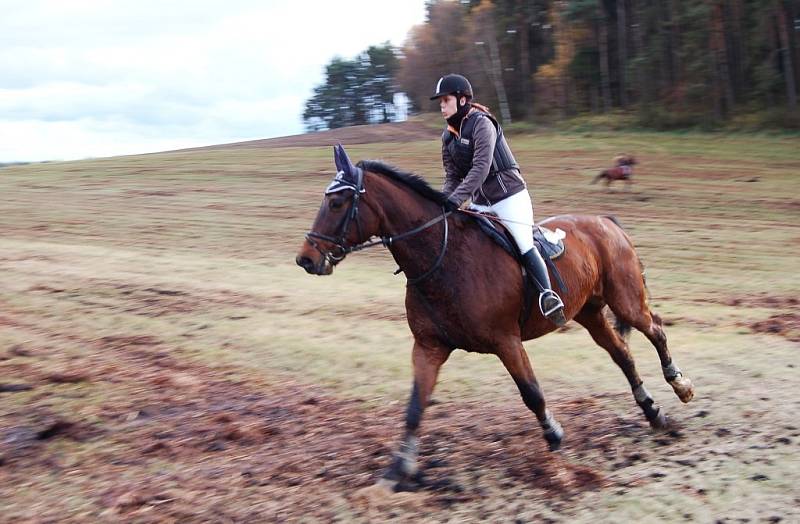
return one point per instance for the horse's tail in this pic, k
(599, 177)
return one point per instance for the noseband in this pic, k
(340, 247)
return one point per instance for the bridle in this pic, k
(340, 246)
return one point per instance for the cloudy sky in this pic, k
(93, 78)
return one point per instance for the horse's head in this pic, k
(342, 222)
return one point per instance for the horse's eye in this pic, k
(335, 204)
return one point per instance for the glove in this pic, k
(451, 205)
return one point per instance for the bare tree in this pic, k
(786, 54)
(622, 51)
(602, 34)
(524, 31)
(485, 21)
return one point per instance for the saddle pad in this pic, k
(549, 242)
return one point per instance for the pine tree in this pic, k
(359, 91)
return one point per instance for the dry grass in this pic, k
(166, 283)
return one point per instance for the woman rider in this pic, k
(481, 170)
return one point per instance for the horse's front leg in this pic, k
(427, 360)
(519, 367)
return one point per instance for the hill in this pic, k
(162, 358)
(398, 132)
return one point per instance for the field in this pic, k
(162, 358)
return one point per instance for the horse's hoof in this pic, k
(683, 388)
(554, 445)
(660, 421)
(554, 438)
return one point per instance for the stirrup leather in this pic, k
(547, 293)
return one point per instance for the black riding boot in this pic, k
(550, 303)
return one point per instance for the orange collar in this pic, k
(456, 131)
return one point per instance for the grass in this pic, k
(196, 249)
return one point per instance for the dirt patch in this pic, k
(785, 322)
(146, 193)
(763, 301)
(151, 301)
(786, 325)
(67, 377)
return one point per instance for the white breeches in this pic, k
(516, 213)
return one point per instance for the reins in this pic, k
(440, 258)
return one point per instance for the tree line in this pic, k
(673, 63)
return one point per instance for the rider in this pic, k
(480, 169)
(625, 163)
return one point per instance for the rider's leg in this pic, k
(549, 302)
(516, 212)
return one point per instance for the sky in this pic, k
(96, 78)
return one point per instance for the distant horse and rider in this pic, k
(622, 170)
(467, 291)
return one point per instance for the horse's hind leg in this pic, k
(631, 309)
(591, 317)
(519, 367)
(654, 332)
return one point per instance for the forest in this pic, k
(666, 63)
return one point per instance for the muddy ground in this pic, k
(290, 451)
(250, 451)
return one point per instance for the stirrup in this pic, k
(555, 313)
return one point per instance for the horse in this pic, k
(622, 170)
(466, 292)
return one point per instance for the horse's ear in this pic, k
(337, 158)
(343, 162)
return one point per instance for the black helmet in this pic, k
(452, 84)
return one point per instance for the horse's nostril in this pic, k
(304, 262)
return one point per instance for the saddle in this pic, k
(549, 243)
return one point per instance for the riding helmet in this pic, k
(453, 84)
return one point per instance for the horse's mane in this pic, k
(415, 182)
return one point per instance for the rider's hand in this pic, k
(452, 205)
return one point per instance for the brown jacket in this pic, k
(480, 184)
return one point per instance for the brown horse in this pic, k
(622, 170)
(464, 291)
